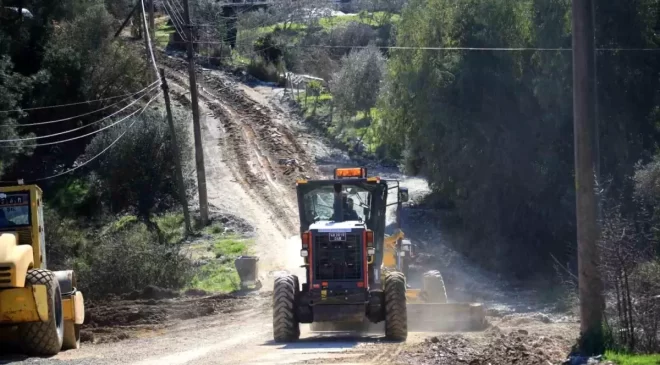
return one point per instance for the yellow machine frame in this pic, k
(427, 308)
(21, 249)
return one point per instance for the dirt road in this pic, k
(254, 151)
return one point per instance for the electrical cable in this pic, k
(78, 128)
(151, 51)
(177, 22)
(75, 116)
(74, 138)
(462, 48)
(76, 103)
(97, 155)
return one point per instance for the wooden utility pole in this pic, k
(177, 155)
(584, 110)
(128, 19)
(199, 152)
(152, 19)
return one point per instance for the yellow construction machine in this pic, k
(428, 307)
(40, 308)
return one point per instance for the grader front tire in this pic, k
(44, 338)
(286, 327)
(396, 316)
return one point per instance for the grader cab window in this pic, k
(319, 203)
(14, 210)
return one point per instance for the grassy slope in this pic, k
(219, 273)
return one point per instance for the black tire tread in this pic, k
(434, 286)
(286, 327)
(396, 316)
(42, 338)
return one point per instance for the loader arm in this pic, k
(390, 250)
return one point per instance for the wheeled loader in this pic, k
(428, 306)
(353, 273)
(40, 308)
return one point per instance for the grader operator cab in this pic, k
(39, 308)
(354, 273)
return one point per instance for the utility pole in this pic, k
(199, 152)
(584, 111)
(152, 19)
(177, 155)
(128, 19)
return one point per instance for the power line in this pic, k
(97, 155)
(177, 22)
(77, 103)
(78, 128)
(146, 30)
(505, 49)
(75, 138)
(74, 117)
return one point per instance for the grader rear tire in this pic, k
(396, 316)
(44, 338)
(434, 287)
(286, 327)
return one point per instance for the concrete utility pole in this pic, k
(177, 155)
(584, 111)
(199, 152)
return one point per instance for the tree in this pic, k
(356, 85)
(493, 131)
(122, 178)
(12, 88)
(76, 60)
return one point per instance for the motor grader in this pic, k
(40, 308)
(354, 274)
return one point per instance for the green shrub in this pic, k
(119, 257)
(264, 70)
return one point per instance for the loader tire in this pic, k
(44, 338)
(396, 316)
(434, 287)
(286, 327)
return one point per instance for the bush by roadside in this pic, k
(121, 255)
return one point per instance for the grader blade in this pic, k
(429, 310)
(445, 317)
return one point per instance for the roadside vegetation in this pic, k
(115, 220)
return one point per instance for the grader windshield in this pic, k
(319, 202)
(14, 209)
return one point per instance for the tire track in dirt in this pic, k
(237, 147)
(254, 141)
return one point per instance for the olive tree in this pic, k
(137, 173)
(356, 85)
